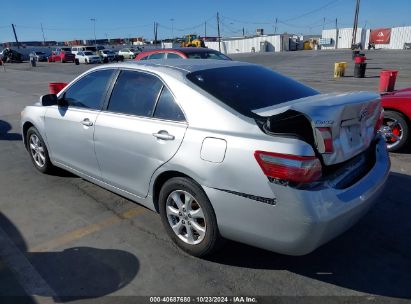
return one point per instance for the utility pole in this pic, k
(218, 32)
(336, 33)
(42, 30)
(205, 29)
(94, 28)
(15, 36)
(243, 32)
(172, 28)
(155, 32)
(355, 27)
(275, 27)
(323, 23)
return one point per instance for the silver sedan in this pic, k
(221, 149)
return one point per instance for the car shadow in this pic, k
(5, 134)
(373, 257)
(72, 274)
(405, 149)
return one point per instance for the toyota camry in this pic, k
(220, 149)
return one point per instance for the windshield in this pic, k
(88, 53)
(247, 88)
(91, 48)
(39, 53)
(208, 55)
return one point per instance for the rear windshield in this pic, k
(247, 88)
(207, 55)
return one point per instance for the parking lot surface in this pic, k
(63, 238)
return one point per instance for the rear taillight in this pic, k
(292, 168)
(327, 138)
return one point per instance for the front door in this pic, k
(70, 129)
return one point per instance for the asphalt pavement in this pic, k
(65, 239)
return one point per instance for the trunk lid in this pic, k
(351, 118)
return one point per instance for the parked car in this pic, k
(83, 48)
(109, 54)
(128, 53)
(9, 55)
(88, 57)
(221, 149)
(38, 56)
(62, 56)
(182, 53)
(397, 118)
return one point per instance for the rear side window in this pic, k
(173, 56)
(247, 88)
(135, 93)
(89, 91)
(167, 108)
(157, 56)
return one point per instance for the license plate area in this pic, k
(351, 135)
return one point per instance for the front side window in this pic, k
(135, 93)
(167, 108)
(89, 91)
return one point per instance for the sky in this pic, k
(70, 19)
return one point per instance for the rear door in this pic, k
(141, 129)
(70, 130)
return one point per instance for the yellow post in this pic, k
(339, 69)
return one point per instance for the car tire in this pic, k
(396, 125)
(85, 61)
(38, 151)
(195, 215)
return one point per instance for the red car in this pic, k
(62, 56)
(397, 118)
(182, 53)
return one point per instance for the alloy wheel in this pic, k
(186, 217)
(392, 131)
(37, 151)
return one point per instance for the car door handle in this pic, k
(163, 135)
(87, 122)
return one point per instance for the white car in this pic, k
(109, 54)
(88, 57)
(128, 53)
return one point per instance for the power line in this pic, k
(312, 11)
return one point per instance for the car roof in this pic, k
(182, 66)
(186, 50)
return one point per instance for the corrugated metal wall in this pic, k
(274, 44)
(345, 37)
(399, 36)
(332, 35)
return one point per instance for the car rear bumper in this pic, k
(300, 220)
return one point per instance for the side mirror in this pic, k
(62, 102)
(49, 100)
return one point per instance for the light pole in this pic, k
(94, 27)
(172, 28)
